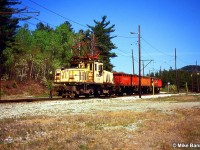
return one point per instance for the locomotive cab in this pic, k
(84, 72)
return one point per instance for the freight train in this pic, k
(86, 77)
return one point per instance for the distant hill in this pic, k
(191, 68)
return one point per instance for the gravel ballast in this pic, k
(59, 108)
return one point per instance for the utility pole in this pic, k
(139, 51)
(192, 81)
(133, 62)
(160, 72)
(197, 74)
(140, 91)
(176, 74)
(144, 66)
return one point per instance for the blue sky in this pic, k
(164, 24)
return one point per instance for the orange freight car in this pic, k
(145, 81)
(159, 83)
(135, 80)
(122, 79)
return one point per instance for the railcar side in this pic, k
(129, 84)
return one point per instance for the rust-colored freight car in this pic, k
(145, 81)
(135, 80)
(159, 83)
(123, 83)
(122, 79)
(129, 84)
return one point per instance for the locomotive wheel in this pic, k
(87, 95)
(74, 95)
(63, 96)
(96, 94)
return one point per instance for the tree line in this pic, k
(181, 79)
(27, 54)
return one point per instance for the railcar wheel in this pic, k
(87, 95)
(63, 96)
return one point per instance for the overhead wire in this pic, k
(161, 53)
(33, 24)
(178, 58)
(29, 7)
(156, 48)
(58, 14)
(127, 37)
(123, 51)
(146, 52)
(124, 54)
(41, 21)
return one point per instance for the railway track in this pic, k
(21, 100)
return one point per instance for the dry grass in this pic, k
(102, 130)
(180, 98)
(183, 126)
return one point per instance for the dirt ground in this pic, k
(153, 122)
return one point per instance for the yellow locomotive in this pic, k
(83, 77)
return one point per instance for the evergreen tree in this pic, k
(103, 37)
(41, 26)
(8, 27)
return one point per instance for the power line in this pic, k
(33, 24)
(124, 54)
(59, 14)
(127, 55)
(127, 37)
(181, 61)
(40, 20)
(146, 52)
(30, 7)
(123, 51)
(155, 48)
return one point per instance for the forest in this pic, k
(34, 54)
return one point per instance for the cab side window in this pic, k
(101, 68)
(95, 67)
(91, 67)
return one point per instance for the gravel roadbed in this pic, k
(59, 108)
